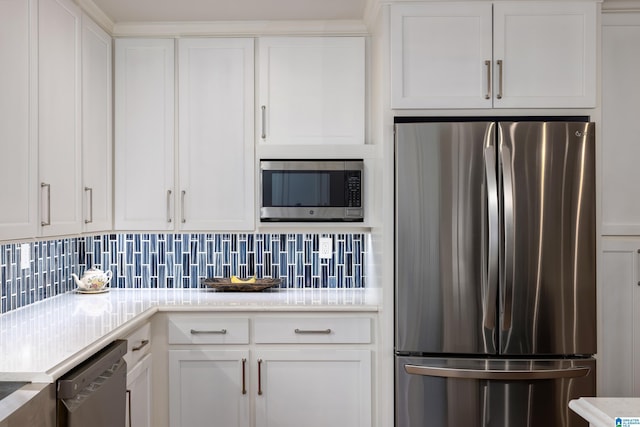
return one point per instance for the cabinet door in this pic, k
(314, 388)
(216, 83)
(619, 299)
(18, 120)
(620, 143)
(312, 90)
(59, 24)
(548, 54)
(139, 394)
(96, 126)
(208, 387)
(441, 55)
(144, 140)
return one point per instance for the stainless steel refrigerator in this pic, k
(495, 272)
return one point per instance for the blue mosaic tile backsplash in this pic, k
(49, 272)
(180, 260)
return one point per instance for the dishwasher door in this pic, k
(94, 393)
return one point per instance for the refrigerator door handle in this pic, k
(492, 220)
(497, 374)
(509, 244)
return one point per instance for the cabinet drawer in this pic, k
(312, 330)
(138, 345)
(208, 330)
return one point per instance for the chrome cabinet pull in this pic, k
(142, 345)
(182, 196)
(169, 206)
(487, 63)
(215, 332)
(260, 377)
(90, 191)
(48, 187)
(312, 331)
(264, 120)
(500, 67)
(638, 254)
(244, 366)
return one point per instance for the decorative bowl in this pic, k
(225, 284)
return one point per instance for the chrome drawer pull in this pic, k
(312, 331)
(142, 345)
(220, 332)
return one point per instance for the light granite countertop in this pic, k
(604, 411)
(42, 341)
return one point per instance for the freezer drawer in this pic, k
(491, 392)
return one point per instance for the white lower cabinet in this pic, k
(139, 377)
(139, 394)
(208, 387)
(313, 388)
(619, 298)
(321, 380)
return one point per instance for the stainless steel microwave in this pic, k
(311, 190)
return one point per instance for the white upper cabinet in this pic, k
(59, 23)
(620, 143)
(96, 126)
(312, 90)
(548, 54)
(18, 120)
(144, 139)
(216, 87)
(493, 55)
(441, 55)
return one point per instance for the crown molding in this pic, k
(620, 6)
(372, 10)
(95, 13)
(239, 28)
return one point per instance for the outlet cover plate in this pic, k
(25, 256)
(326, 247)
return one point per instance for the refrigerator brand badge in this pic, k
(627, 421)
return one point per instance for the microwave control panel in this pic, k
(354, 187)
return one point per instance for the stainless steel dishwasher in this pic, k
(94, 393)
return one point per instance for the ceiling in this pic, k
(230, 10)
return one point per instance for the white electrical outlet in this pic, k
(326, 247)
(25, 256)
